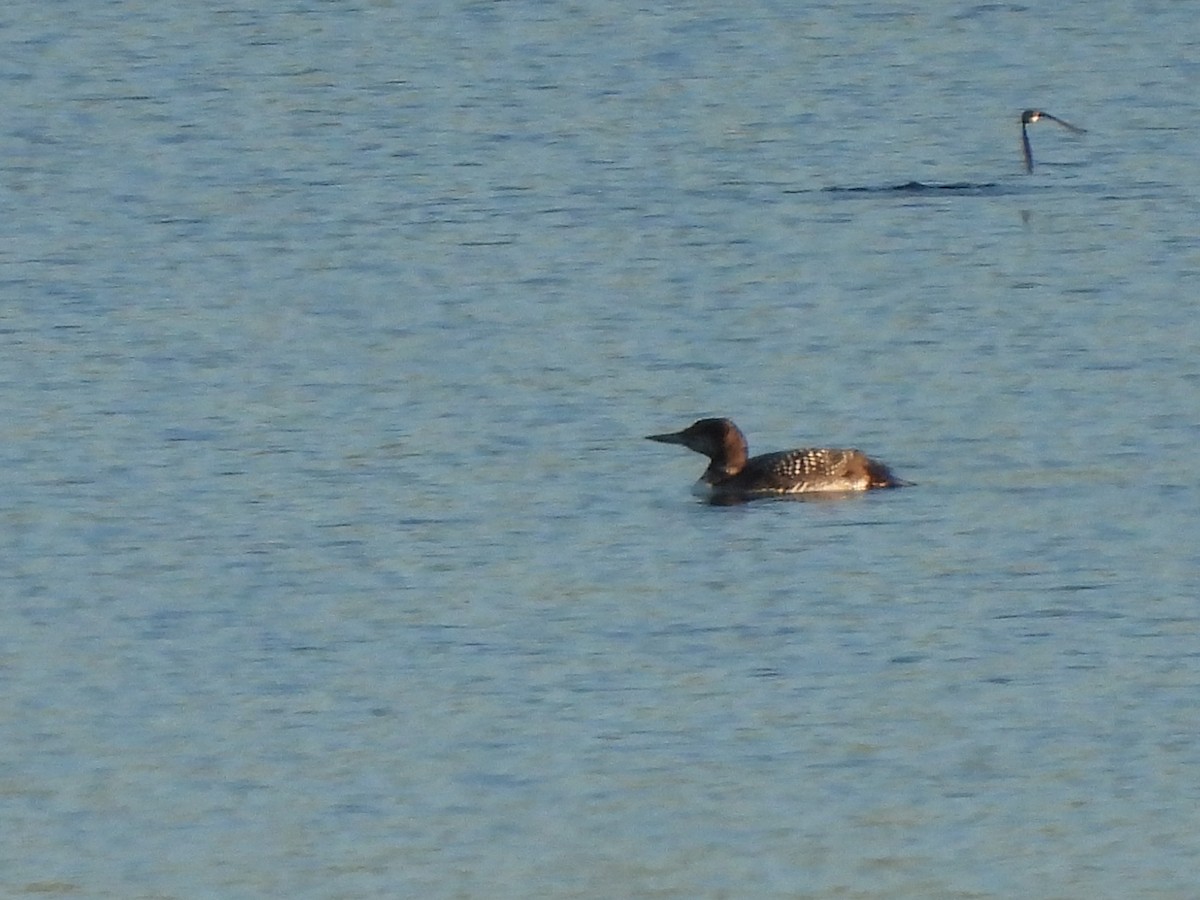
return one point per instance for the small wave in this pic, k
(919, 187)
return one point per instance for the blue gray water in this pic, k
(334, 563)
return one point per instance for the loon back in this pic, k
(812, 469)
(732, 474)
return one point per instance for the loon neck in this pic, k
(726, 449)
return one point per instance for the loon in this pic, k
(1035, 115)
(732, 476)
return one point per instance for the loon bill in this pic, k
(733, 475)
(1036, 115)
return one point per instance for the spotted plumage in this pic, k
(732, 475)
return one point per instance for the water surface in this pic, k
(335, 563)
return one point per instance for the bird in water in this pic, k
(1036, 115)
(733, 476)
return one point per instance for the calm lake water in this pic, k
(334, 563)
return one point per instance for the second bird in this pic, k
(1036, 115)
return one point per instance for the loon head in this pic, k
(718, 439)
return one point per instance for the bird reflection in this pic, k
(1036, 115)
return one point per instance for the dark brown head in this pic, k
(718, 439)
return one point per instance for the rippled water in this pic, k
(335, 563)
